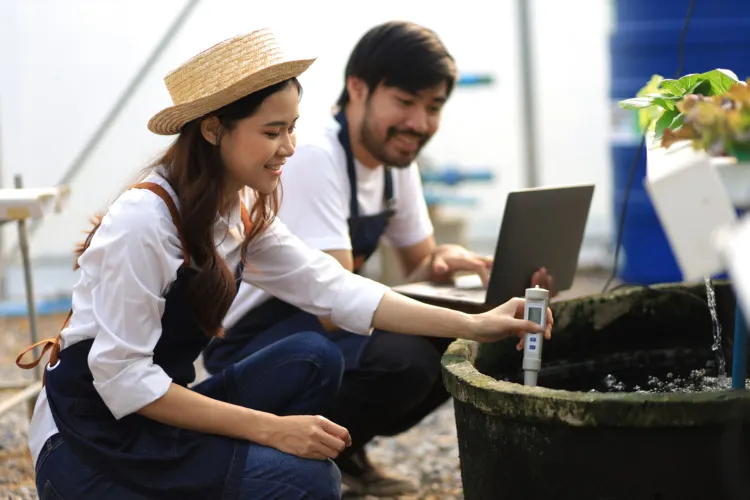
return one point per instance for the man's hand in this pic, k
(447, 259)
(544, 280)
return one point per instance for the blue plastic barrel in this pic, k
(645, 42)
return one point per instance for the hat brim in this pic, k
(170, 121)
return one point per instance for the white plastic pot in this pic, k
(694, 196)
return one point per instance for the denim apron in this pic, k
(150, 458)
(275, 319)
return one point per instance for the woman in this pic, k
(116, 418)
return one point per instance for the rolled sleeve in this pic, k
(135, 254)
(357, 303)
(283, 266)
(137, 385)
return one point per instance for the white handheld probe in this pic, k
(535, 310)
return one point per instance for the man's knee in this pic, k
(322, 352)
(219, 354)
(410, 363)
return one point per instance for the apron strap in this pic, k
(388, 190)
(169, 201)
(351, 171)
(52, 345)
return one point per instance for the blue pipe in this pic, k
(739, 350)
(475, 79)
(43, 307)
(440, 199)
(453, 176)
(739, 356)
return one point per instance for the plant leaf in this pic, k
(663, 103)
(674, 87)
(664, 122)
(728, 72)
(690, 81)
(721, 80)
(636, 103)
(651, 86)
(703, 87)
(668, 97)
(677, 123)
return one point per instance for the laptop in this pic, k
(541, 227)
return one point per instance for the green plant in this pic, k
(657, 101)
(719, 124)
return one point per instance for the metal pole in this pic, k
(96, 138)
(527, 93)
(23, 240)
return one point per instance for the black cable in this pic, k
(634, 165)
(621, 222)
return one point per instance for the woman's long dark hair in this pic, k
(194, 169)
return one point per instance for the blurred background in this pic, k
(80, 78)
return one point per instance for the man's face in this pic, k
(397, 124)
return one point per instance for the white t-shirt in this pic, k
(316, 200)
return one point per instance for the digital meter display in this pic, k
(535, 314)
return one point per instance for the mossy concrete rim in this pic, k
(581, 409)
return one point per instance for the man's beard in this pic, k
(377, 147)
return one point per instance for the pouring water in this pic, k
(716, 346)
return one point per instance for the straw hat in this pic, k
(222, 74)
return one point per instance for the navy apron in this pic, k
(153, 459)
(275, 319)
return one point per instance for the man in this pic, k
(350, 185)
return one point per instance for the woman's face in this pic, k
(257, 147)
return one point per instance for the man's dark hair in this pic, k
(402, 55)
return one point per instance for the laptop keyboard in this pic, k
(468, 282)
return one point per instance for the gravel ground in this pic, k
(428, 452)
(16, 469)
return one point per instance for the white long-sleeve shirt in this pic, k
(131, 263)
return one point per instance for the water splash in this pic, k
(695, 382)
(716, 346)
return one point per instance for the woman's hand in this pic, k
(309, 436)
(507, 320)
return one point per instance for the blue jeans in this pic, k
(299, 375)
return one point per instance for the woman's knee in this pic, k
(270, 473)
(323, 478)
